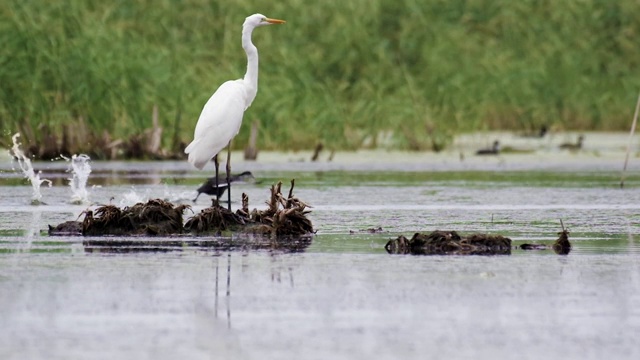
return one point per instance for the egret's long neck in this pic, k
(251, 77)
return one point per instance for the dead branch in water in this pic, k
(633, 129)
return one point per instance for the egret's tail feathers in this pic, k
(191, 146)
(198, 163)
(194, 158)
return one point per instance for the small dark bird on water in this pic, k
(209, 187)
(494, 150)
(537, 134)
(571, 146)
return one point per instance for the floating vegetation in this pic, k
(450, 243)
(156, 217)
(285, 218)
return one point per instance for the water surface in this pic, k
(343, 296)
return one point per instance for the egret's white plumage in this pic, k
(219, 122)
(221, 116)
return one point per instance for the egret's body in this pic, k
(219, 122)
(221, 116)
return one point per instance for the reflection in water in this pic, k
(237, 242)
(228, 297)
(347, 296)
(228, 292)
(215, 306)
(276, 270)
(33, 231)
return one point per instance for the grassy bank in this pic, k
(342, 72)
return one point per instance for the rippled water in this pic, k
(343, 296)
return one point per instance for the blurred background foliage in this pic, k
(406, 74)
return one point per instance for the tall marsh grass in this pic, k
(340, 72)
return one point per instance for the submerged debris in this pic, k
(67, 228)
(450, 243)
(368, 230)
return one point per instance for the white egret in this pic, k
(221, 116)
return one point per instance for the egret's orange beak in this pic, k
(274, 21)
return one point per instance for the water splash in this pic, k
(132, 197)
(27, 170)
(80, 168)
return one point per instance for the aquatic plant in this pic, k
(84, 77)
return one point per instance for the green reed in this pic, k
(342, 72)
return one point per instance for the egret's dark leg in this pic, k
(217, 166)
(229, 174)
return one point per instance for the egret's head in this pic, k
(256, 20)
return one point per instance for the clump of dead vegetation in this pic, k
(156, 217)
(284, 217)
(450, 243)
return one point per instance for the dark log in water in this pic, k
(450, 243)
(562, 246)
